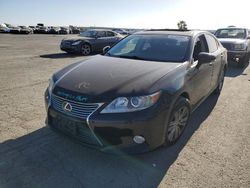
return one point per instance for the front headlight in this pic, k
(239, 46)
(76, 43)
(51, 85)
(131, 104)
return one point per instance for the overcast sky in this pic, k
(199, 14)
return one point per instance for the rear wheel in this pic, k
(178, 120)
(85, 49)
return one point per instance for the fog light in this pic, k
(139, 139)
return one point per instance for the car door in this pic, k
(199, 74)
(112, 38)
(101, 40)
(213, 47)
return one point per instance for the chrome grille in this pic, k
(79, 110)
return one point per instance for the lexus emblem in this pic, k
(67, 107)
(83, 85)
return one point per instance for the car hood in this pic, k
(232, 41)
(102, 78)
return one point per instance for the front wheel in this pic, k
(178, 120)
(85, 49)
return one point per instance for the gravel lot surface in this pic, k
(213, 152)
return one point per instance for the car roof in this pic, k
(232, 28)
(99, 29)
(171, 32)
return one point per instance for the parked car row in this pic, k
(39, 29)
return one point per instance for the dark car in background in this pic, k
(139, 95)
(237, 42)
(93, 40)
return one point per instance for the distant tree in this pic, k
(182, 25)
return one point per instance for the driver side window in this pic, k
(200, 46)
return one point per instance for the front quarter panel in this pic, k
(174, 83)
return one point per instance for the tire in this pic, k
(178, 121)
(220, 83)
(244, 61)
(85, 49)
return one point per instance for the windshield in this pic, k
(231, 33)
(88, 33)
(166, 48)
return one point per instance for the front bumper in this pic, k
(114, 132)
(67, 47)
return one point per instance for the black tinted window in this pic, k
(212, 43)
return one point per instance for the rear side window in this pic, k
(212, 43)
(110, 34)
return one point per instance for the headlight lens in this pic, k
(131, 104)
(76, 43)
(51, 85)
(239, 46)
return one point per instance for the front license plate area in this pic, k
(64, 124)
(71, 127)
(68, 126)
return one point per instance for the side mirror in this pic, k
(204, 57)
(105, 49)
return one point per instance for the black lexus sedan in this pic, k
(139, 95)
(92, 40)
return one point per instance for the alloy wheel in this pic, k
(86, 49)
(177, 123)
